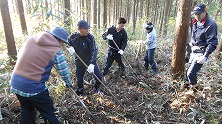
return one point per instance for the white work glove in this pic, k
(90, 68)
(193, 48)
(201, 59)
(109, 37)
(120, 52)
(71, 50)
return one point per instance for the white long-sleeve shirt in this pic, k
(151, 39)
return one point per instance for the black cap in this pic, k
(199, 8)
(83, 24)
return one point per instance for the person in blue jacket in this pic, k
(116, 35)
(85, 47)
(203, 42)
(37, 57)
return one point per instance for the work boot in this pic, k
(79, 92)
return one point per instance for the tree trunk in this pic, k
(128, 12)
(22, 16)
(166, 8)
(170, 7)
(67, 20)
(114, 8)
(148, 9)
(105, 13)
(14, 7)
(83, 8)
(156, 12)
(98, 23)
(181, 34)
(134, 15)
(8, 30)
(120, 8)
(219, 50)
(109, 12)
(161, 20)
(88, 7)
(95, 14)
(141, 9)
(117, 10)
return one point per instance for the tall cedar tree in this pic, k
(181, 35)
(8, 30)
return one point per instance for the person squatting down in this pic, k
(150, 43)
(85, 47)
(203, 43)
(116, 36)
(35, 61)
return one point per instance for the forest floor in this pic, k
(153, 99)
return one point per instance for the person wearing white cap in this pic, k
(35, 61)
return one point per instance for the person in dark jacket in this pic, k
(203, 43)
(85, 47)
(35, 61)
(117, 41)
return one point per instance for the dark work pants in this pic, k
(149, 59)
(110, 57)
(42, 102)
(80, 71)
(191, 74)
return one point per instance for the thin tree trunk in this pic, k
(170, 7)
(148, 9)
(161, 20)
(83, 8)
(117, 10)
(88, 3)
(6, 19)
(67, 19)
(105, 13)
(156, 12)
(22, 16)
(98, 15)
(141, 9)
(134, 15)
(109, 12)
(95, 14)
(14, 7)
(114, 8)
(120, 8)
(166, 8)
(181, 34)
(219, 50)
(128, 12)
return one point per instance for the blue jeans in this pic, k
(149, 59)
(191, 73)
(42, 102)
(80, 71)
(111, 56)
